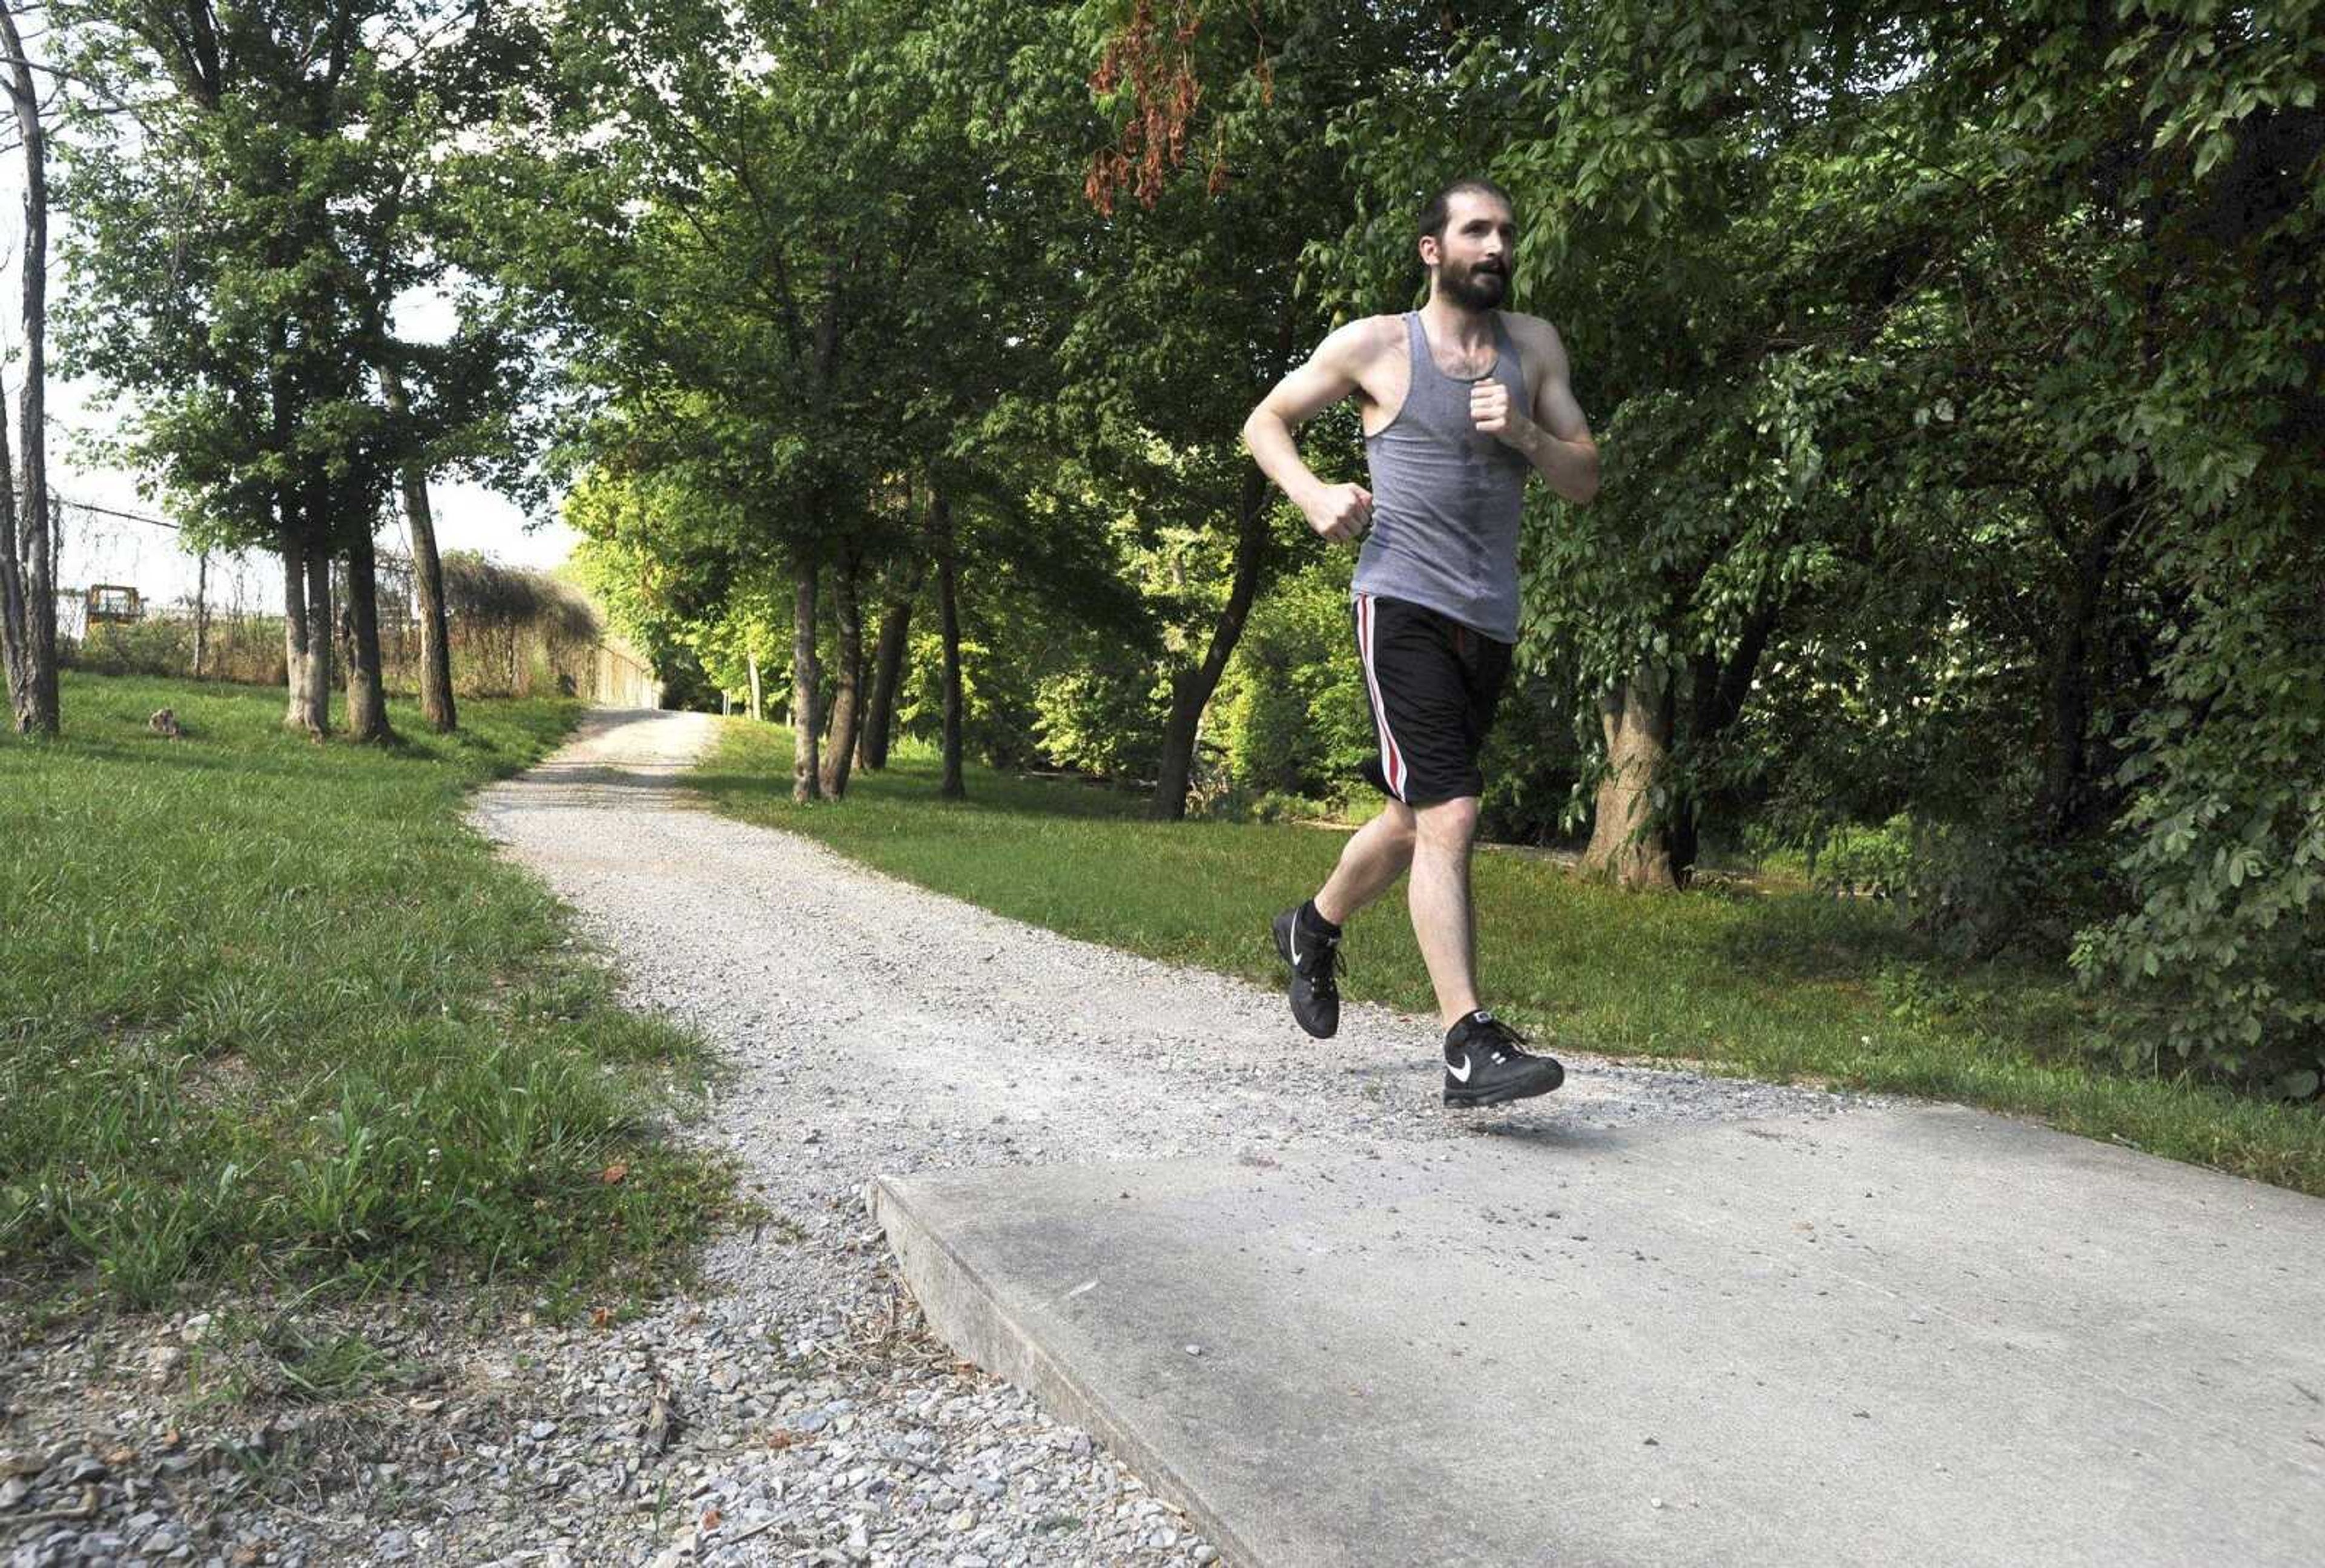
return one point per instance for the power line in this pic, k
(64, 500)
(112, 512)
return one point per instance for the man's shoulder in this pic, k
(1355, 345)
(1540, 347)
(1526, 328)
(1373, 333)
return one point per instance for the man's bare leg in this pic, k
(1439, 897)
(1308, 938)
(1374, 858)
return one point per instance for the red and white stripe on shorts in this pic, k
(1392, 757)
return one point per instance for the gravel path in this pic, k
(793, 1410)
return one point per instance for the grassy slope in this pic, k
(270, 1012)
(1785, 986)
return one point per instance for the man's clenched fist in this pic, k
(1490, 411)
(1340, 511)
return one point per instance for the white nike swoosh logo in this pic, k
(1293, 943)
(1461, 1073)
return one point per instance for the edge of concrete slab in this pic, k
(966, 1312)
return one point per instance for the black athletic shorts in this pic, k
(1432, 685)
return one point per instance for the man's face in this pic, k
(1471, 264)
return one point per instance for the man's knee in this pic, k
(1447, 827)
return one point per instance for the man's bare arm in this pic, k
(1337, 512)
(1555, 439)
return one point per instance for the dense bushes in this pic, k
(1289, 718)
(514, 632)
(2225, 841)
(1104, 718)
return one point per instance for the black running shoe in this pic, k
(1315, 963)
(1486, 1063)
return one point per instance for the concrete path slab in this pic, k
(1917, 1335)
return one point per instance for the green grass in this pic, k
(270, 1016)
(1785, 986)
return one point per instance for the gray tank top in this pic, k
(1447, 497)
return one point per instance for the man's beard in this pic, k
(1473, 289)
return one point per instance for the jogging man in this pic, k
(1461, 401)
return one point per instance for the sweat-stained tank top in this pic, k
(1447, 497)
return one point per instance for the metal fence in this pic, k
(131, 597)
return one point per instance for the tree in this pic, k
(694, 270)
(241, 237)
(28, 561)
(1962, 475)
(437, 707)
(902, 587)
(1174, 366)
(944, 542)
(791, 286)
(242, 346)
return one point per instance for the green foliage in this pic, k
(239, 242)
(1865, 862)
(1103, 717)
(153, 644)
(1291, 716)
(1973, 451)
(2227, 840)
(999, 699)
(1533, 769)
(630, 561)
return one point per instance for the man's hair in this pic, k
(1439, 211)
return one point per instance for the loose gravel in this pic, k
(794, 1409)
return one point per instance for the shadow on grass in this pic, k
(1809, 938)
(914, 783)
(234, 730)
(199, 756)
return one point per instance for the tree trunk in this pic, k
(887, 671)
(1694, 734)
(201, 613)
(436, 705)
(2065, 798)
(758, 709)
(15, 637)
(33, 657)
(952, 786)
(840, 754)
(303, 636)
(807, 782)
(1719, 689)
(1191, 690)
(1627, 845)
(320, 622)
(367, 690)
